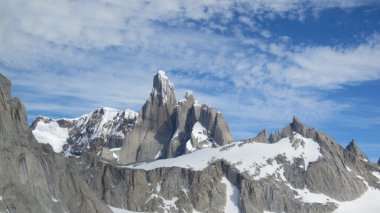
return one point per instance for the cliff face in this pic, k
(34, 178)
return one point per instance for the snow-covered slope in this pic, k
(103, 128)
(368, 203)
(255, 158)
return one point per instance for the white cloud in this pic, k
(328, 68)
(105, 52)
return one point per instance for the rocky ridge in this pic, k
(303, 171)
(101, 131)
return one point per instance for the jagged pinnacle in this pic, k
(354, 149)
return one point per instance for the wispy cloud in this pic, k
(73, 56)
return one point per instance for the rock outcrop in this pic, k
(165, 128)
(34, 178)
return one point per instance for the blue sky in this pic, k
(258, 62)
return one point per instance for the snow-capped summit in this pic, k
(104, 127)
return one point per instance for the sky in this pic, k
(258, 62)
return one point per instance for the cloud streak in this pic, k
(72, 56)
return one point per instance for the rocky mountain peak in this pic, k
(163, 89)
(378, 162)
(297, 125)
(104, 128)
(261, 137)
(164, 128)
(354, 149)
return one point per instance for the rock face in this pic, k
(98, 132)
(302, 171)
(34, 178)
(165, 128)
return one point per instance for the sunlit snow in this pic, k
(369, 202)
(51, 133)
(118, 210)
(199, 132)
(233, 196)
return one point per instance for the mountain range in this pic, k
(174, 156)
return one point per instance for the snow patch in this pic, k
(115, 149)
(199, 132)
(348, 168)
(130, 114)
(158, 187)
(54, 200)
(176, 134)
(377, 175)
(360, 177)
(309, 197)
(189, 146)
(169, 204)
(115, 156)
(51, 133)
(233, 196)
(158, 155)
